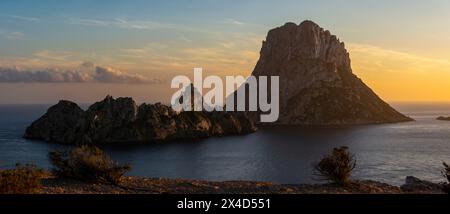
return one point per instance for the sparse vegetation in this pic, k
(88, 164)
(336, 167)
(24, 179)
(446, 173)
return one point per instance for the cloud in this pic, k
(25, 18)
(87, 64)
(88, 22)
(376, 59)
(21, 18)
(52, 55)
(16, 75)
(11, 35)
(401, 76)
(109, 75)
(122, 23)
(100, 75)
(234, 22)
(223, 55)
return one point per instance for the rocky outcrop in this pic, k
(443, 118)
(59, 124)
(123, 121)
(317, 85)
(413, 184)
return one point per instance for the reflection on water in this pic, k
(386, 153)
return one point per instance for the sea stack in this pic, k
(317, 84)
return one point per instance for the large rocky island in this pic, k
(317, 85)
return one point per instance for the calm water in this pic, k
(386, 153)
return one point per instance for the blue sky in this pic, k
(160, 39)
(51, 24)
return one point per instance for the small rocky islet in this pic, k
(122, 121)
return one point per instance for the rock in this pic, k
(413, 184)
(317, 84)
(59, 124)
(196, 99)
(156, 122)
(231, 122)
(195, 124)
(113, 121)
(443, 118)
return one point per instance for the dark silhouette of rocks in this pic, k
(122, 121)
(59, 124)
(413, 184)
(443, 118)
(317, 85)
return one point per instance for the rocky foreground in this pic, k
(135, 185)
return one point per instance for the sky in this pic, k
(85, 49)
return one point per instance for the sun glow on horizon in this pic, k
(398, 76)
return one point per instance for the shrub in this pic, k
(336, 167)
(24, 179)
(446, 173)
(88, 164)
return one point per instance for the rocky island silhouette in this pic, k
(317, 84)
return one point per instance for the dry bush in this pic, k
(24, 179)
(87, 163)
(336, 167)
(446, 173)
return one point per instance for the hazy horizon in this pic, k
(134, 48)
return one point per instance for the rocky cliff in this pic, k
(122, 121)
(317, 85)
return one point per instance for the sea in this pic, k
(386, 153)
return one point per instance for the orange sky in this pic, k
(399, 76)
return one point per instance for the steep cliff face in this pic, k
(122, 121)
(317, 85)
